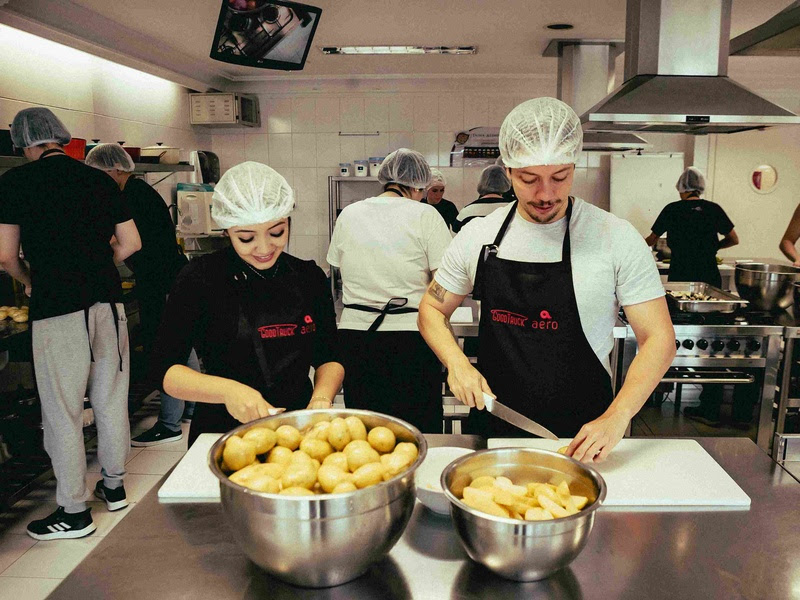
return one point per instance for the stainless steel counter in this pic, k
(186, 551)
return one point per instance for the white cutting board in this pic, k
(191, 480)
(656, 473)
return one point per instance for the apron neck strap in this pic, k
(565, 247)
(51, 151)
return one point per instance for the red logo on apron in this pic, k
(508, 317)
(308, 319)
(545, 322)
(309, 327)
(277, 331)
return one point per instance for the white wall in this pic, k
(95, 98)
(300, 137)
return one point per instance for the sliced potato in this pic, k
(537, 514)
(482, 481)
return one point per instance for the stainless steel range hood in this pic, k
(585, 74)
(780, 36)
(676, 62)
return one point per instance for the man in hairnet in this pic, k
(551, 272)
(492, 185)
(155, 266)
(693, 227)
(387, 248)
(434, 195)
(64, 215)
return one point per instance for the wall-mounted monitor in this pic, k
(265, 34)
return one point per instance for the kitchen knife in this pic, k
(509, 415)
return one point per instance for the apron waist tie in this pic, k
(115, 314)
(395, 306)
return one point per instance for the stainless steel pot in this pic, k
(325, 540)
(523, 550)
(766, 286)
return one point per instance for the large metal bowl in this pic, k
(523, 550)
(766, 286)
(325, 540)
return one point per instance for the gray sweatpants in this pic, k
(64, 374)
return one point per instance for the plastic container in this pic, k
(375, 163)
(76, 148)
(362, 168)
(345, 169)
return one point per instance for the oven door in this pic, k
(697, 375)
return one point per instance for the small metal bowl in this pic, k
(514, 549)
(324, 540)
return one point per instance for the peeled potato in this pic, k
(298, 456)
(280, 455)
(382, 439)
(288, 437)
(394, 464)
(319, 431)
(299, 475)
(338, 434)
(368, 474)
(238, 453)
(274, 470)
(20, 317)
(360, 453)
(337, 459)
(356, 427)
(296, 491)
(263, 483)
(329, 477)
(316, 448)
(264, 439)
(3, 315)
(408, 448)
(344, 487)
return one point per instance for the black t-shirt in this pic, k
(447, 209)
(203, 312)
(67, 212)
(158, 262)
(692, 228)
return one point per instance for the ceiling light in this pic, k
(560, 26)
(399, 49)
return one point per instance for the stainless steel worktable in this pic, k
(186, 551)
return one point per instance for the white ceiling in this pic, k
(510, 34)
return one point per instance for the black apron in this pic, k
(532, 349)
(277, 328)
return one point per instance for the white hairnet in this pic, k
(406, 167)
(249, 194)
(437, 178)
(493, 181)
(542, 131)
(110, 156)
(691, 180)
(38, 125)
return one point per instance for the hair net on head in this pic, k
(110, 156)
(493, 181)
(691, 180)
(38, 125)
(542, 131)
(437, 178)
(249, 194)
(406, 167)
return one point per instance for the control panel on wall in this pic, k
(224, 110)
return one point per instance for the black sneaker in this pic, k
(115, 499)
(62, 525)
(695, 413)
(157, 434)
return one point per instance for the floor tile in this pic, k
(13, 546)
(52, 559)
(24, 588)
(153, 462)
(93, 464)
(106, 520)
(143, 425)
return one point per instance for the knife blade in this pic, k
(509, 415)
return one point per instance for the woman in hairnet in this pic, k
(492, 185)
(693, 227)
(258, 317)
(551, 272)
(434, 195)
(155, 266)
(387, 249)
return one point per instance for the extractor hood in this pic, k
(586, 74)
(676, 62)
(780, 36)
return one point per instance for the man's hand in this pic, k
(246, 404)
(597, 438)
(468, 384)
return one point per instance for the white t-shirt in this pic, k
(386, 247)
(611, 263)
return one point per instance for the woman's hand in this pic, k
(246, 404)
(319, 402)
(597, 438)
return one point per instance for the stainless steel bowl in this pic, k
(523, 550)
(766, 286)
(325, 540)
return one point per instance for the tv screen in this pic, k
(265, 34)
